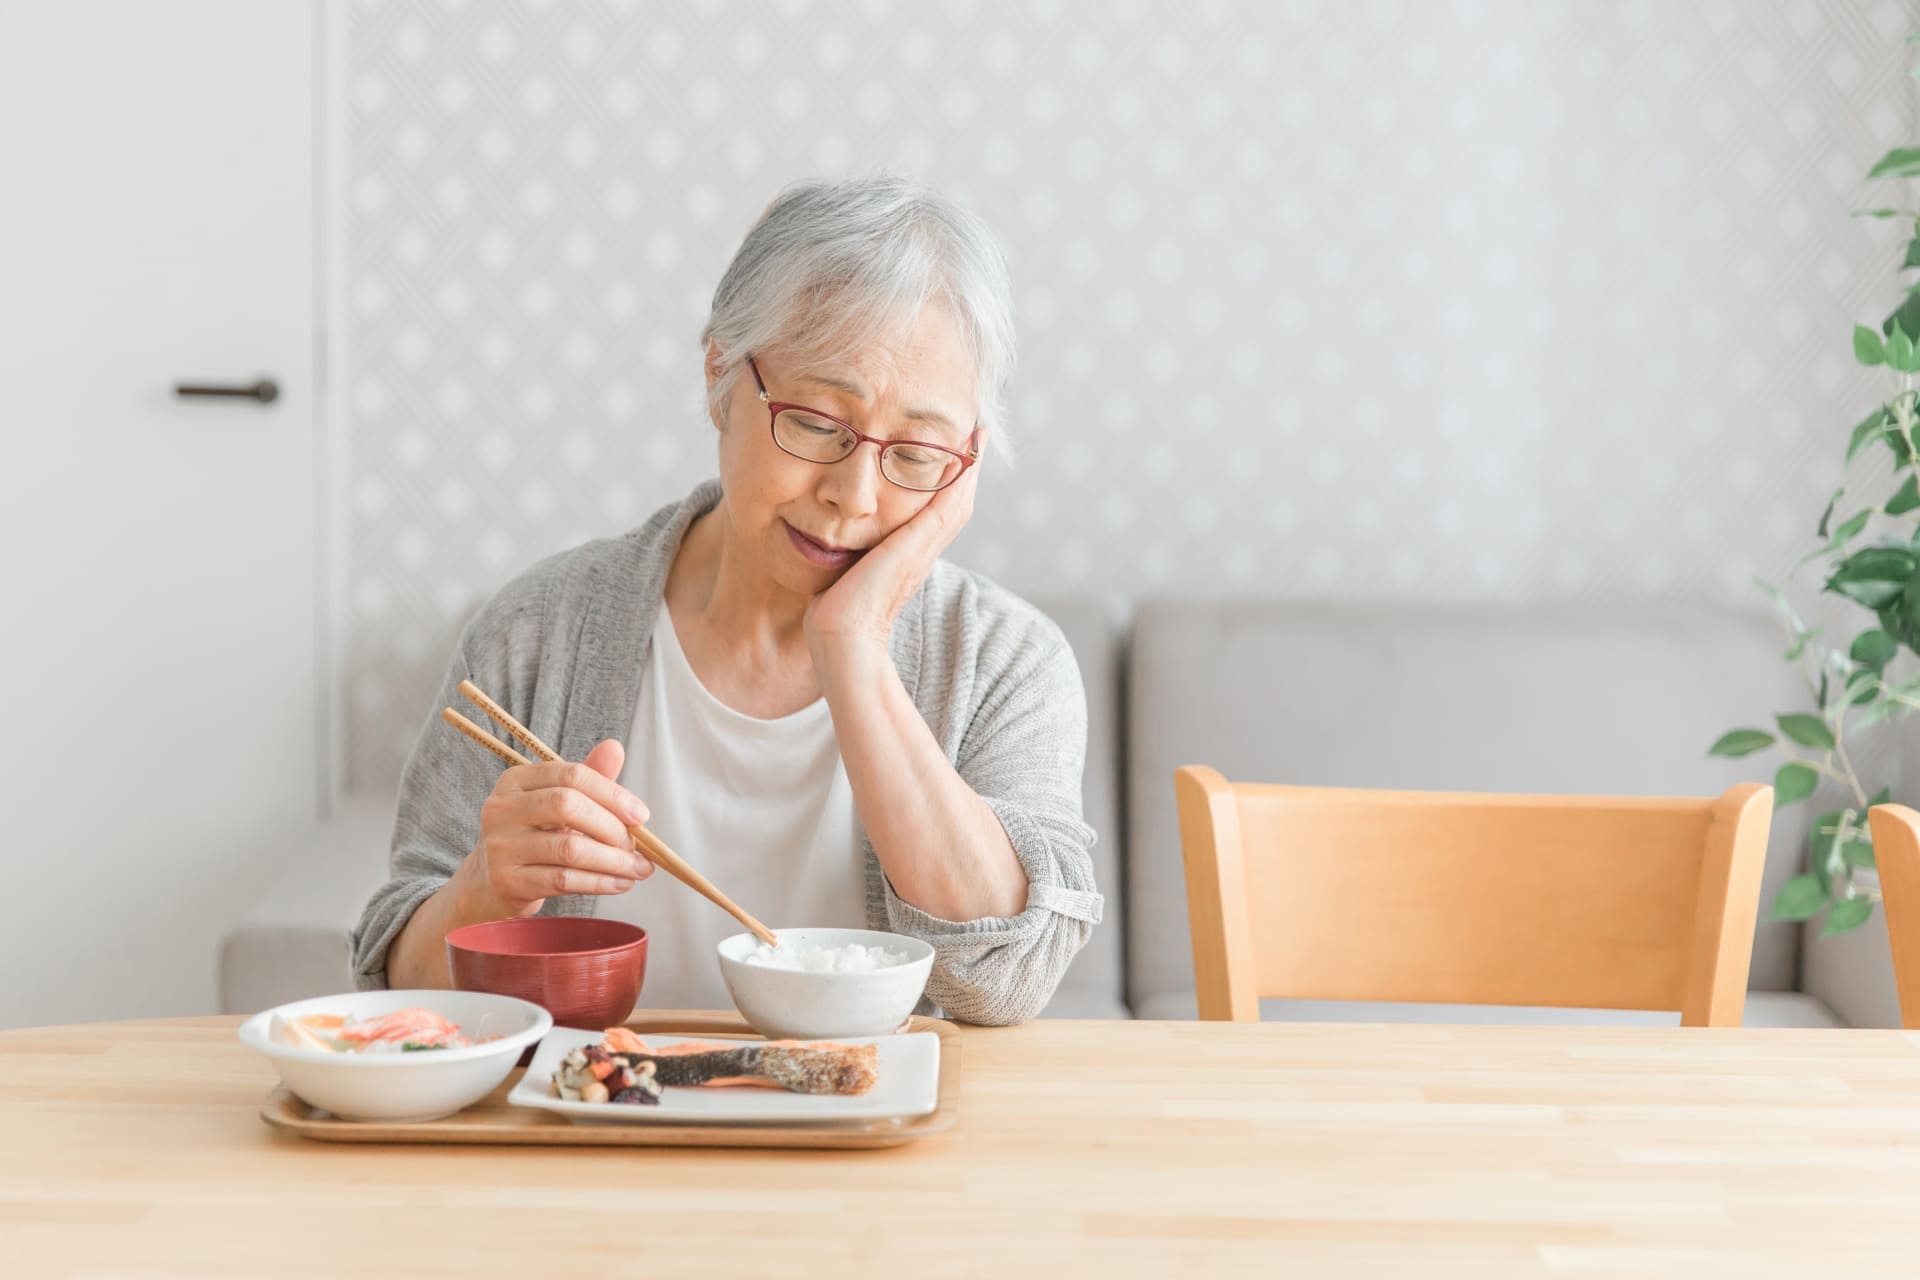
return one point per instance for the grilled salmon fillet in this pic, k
(799, 1067)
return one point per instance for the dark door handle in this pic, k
(266, 391)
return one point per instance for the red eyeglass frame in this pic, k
(775, 408)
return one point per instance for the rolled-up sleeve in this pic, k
(1024, 754)
(436, 825)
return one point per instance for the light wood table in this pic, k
(1107, 1148)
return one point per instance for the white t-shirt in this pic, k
(761, 807)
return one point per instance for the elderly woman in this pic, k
(778, 674)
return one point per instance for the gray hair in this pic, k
(832, 267)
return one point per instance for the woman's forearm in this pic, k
(941, 846)
(418, 957)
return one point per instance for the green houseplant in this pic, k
(1870, 557)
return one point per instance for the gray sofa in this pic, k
(1573, 700)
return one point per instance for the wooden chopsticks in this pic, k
(655, 849)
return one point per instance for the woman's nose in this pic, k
(853, 484)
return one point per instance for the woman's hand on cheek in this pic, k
(861, 606)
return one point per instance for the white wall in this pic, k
(158, 594)
(1490, 300)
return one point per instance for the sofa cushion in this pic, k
(1788, 1009)
(291, 942)
(265, 965)
(1095, 985)
(1562, 700)
(1852, 973)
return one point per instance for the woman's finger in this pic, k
(565, 807)
(576, 852)
(952, 507)
(535, 882)
(619, 801)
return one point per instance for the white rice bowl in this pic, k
(825, 984)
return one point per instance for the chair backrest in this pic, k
(1460, 898)
(1590, 699)
(1896, 854)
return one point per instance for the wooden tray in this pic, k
(494, 1120)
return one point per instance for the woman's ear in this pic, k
(714, 369)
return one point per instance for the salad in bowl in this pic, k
(396, 1056)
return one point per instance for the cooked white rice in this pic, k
(854, 957)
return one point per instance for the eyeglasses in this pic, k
(819, 437)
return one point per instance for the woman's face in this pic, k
(921, 388)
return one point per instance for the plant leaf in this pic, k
(1871, 593)
(1847, 914)
(1867, 346)
(1852, 526)
(1807, 730)
(1910, 606)
(1879, 213)
(1822, 856)
(1820, 530)
(1863, 686)
(1906, 315)
(1741, 742)
(1799, 899)
(1901, 162)
(1901, 356)
(1793, 783)
(1899, 346)
(1876, 713)
(1894, 625)
(1906, 498)
(1824, 549)
(1863, 431)
(1857, 853)
(1873, 576)
(1882, 796)
(1799, 645)
(1873, 648)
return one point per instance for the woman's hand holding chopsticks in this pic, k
(557, 828)
(605, 761)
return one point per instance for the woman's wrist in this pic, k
(849, 661)
(418, 955)
(470, 899)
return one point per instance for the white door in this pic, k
(157, 553)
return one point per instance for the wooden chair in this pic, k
(1896, 853)
(1572, 901)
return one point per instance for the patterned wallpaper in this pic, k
(1491, 299)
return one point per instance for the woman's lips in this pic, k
(815, 554)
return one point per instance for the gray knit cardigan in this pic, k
(563, 646)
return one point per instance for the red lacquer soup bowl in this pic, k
(585, 972)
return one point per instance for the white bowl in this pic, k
(788, 1004)
(403, 1087)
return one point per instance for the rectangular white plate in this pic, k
(909, 1085)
